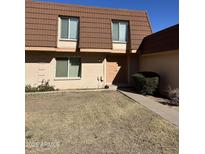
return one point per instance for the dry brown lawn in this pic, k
(95, 122)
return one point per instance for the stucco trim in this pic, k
(103, 50)
(72, 50)
(49, 49)
(118, 51)
(95, 50)
(65, 50)
(161, 52)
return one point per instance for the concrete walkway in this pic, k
(170, 113)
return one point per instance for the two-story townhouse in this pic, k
(82, 47)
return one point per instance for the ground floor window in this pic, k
(68, 67)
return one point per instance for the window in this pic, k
(69, 28)
(74, 67)
(119, 31)
(68, 67)
(61, 67)
(64, 28)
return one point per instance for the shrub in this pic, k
(140, 82)
(29, 88)
(146, 82)
(106, 86)
(173, 95)
(44, 86)
(151, 86)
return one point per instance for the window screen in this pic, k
(115, 31)
(119, 31)
(68, 67)
(123, 32)
(69, 28)
(64, 28)
(75, 67)
(73, 28)
(61, 67)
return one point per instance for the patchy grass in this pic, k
(95, 122)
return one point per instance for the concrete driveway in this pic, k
(95, 122)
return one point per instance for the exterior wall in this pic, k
(166, 64)
(95, 25)
(67, 44)
(133, 62)
(73, 44)
(41, 65)
(119, 47)
(116, 69)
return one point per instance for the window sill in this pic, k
(61, 79)
(68, 40)
(119, 42)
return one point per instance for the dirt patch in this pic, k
(95, 122)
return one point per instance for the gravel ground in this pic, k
(95, 122)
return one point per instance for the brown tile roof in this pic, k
(95, 24)
(167, 39)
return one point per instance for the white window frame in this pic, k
(65, 39)
(68, 78)
(120, 22)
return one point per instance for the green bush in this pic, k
(44, 86)
(173, 95)
(140, 82)
(29, 88)
(146, 83)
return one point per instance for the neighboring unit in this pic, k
(159, 52)
(82, 47)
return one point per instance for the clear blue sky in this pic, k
(162, 13)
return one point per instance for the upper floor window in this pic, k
(69, 28)
(119, 31)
